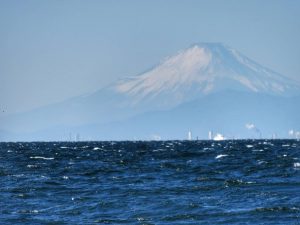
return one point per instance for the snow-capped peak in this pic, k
(202, 69)
(172, 72)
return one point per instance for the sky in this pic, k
(53, 50)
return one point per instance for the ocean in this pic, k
(159, 182)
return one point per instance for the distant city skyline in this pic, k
(54, 50)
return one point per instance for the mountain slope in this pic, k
(198, 71)
(226, 112)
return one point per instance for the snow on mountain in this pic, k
(200, 70)
(195, 73)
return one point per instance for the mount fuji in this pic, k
(197, 83)
(200, 70)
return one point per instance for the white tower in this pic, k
(210, 135)
(298, 135)
(189, 135)
(77, 138)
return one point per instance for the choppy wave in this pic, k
(164, 182)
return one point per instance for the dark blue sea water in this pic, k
(171, 182)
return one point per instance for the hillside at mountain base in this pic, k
(188, 90)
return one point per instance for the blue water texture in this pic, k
(159, 182)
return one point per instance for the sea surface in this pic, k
(165, 182)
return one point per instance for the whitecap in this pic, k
(250, 182)
(220, 156)
(18, 175)
(297, 165)
(249, 146)
(96, 148)
(260, 162)
(40, 157)
(34, 211)
(31, 166)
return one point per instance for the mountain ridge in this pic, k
(192, 73)
(225, 112)
(200, 70)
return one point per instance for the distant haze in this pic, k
(208, 87)
(54, 50)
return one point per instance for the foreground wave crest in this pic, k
(167, 182)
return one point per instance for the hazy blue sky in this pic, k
(52, 50)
